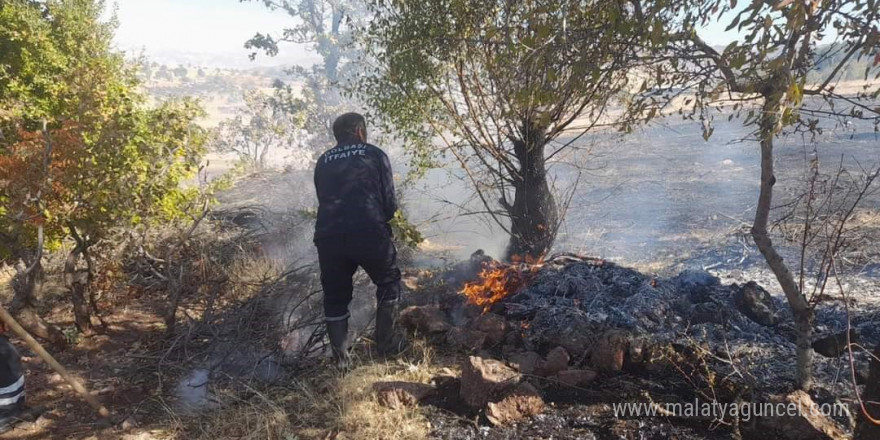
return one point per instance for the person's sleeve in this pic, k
(389, 198)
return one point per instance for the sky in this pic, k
(213, 32)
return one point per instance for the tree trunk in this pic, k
(866, 429)
(330, 48)
(77, 283)
(533, 215)
(261, 163)
(770, 125)
(24, 306)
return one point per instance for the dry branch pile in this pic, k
(569, 321)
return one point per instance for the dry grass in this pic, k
(320, 404)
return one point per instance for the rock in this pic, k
(576, 378)
(128, 423)
(410, 282)
(556, 361)
(465, 339)
(756, 303)
(835, 345)
(609, 351)
(520, 403)
(401, 394)
(492, 325)
(483, 379)
(808, 424)
(426, 319)
(526, 362)
(643, 354)
(44, 422)
(513, 343)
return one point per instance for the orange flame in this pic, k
(498, 280)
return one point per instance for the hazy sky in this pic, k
(217, 29)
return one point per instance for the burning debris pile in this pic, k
(570, 319)
(576, 302)
(498, 279)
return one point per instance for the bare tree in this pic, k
(497, 85)
(328, 27)
(258, 128)
(765, 74)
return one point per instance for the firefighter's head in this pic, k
(350, 127)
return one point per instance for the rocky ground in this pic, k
(557, 357)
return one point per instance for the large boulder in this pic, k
(426, 319)
(521, 402)
(484, 379)
(756, 303)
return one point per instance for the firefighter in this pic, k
(11, 383)
(356, 201)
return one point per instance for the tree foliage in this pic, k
(265, 123)
(328, 27)
(498, 83)
(104, 158)
(82, 153)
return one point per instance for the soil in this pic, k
(117, 366)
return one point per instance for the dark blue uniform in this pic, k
(356, 200)
(11, 384)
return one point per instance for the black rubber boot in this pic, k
(7, 423)
(388, 342)
(337, 331)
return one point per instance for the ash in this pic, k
(575, 298)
